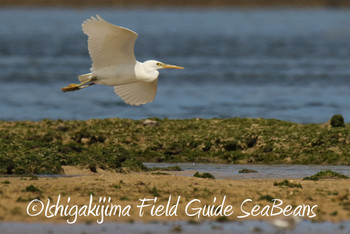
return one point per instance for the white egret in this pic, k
(111, 49)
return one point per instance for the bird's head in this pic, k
(156, 65)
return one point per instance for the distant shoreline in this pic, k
(178, 3)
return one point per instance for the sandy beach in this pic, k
(331, 196)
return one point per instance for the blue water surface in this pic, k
(289, 64)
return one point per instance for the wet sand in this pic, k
(251, 226)
(262, 171)
(331, 195)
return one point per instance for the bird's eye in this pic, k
(159, 64)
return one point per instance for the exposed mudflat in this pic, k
(330, 195)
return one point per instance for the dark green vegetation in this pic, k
(154, 191)
(32, 188)
(171, 168)
(266, 197)
(205, 175)
(121, 144)
(337, 121)
(246, 170)
(160, 173)
(287, 183)
(327, 174)
(222, 219)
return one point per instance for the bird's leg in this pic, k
(82, 85)
(85, 86)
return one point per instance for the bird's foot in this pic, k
(71, 87)
(85, 86)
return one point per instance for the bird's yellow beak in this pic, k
(171, 66)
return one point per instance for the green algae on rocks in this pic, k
(327, 174)
(246, 170)
(337, 121)
(43, 147)
(205, 175)
(287, 183)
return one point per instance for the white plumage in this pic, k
(137, 93)
(111, 49)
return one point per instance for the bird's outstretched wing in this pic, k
(137, 93)
(109, 44)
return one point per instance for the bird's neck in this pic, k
(145, 73)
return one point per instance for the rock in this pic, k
(337, 121)
(85, 140)
(62, 128)
(149, 122)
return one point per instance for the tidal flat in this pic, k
(83, 160)
(122, 145)
(329, 197)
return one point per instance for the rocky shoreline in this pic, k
(45, 146)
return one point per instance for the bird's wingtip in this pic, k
(93, 18)
(99, 17)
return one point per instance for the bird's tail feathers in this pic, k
(86, 77)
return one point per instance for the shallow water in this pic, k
(230, 171)
(168, 227)
(290, 64)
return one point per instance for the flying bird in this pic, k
(111, 49)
